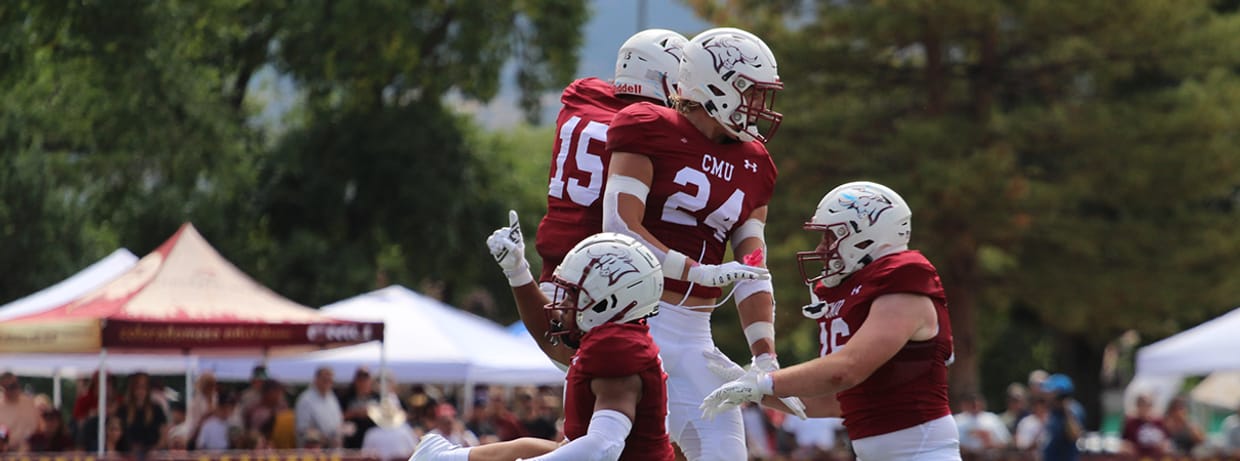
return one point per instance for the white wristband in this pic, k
(766, 384)
(758, 331)
(674, 265)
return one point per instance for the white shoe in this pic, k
(430, 447)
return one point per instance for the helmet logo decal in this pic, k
(727, 53)
(611, 264)
(868, 204)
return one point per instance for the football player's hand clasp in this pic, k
(750, 387)
(767, 364)
(507, 245)
(717, 275)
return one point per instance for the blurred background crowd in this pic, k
(385, 419)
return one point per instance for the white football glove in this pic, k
(750, 387)
(508, 247)
(717, 275)
(767, 363)
(722, 366)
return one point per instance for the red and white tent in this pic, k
(182, 298)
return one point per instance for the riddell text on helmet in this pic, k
(632, 88)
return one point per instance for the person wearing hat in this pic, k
(251, 396)
(1064, 424)
(390, 437)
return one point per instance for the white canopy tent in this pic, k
(429, 342)
(78, 284)
(1201, 350)
(1206, 349)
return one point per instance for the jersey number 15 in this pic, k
(589, 164)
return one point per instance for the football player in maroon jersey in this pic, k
(885, 333)
(687, 181)
(646, 67)
(615, 397)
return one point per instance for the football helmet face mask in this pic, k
(860, 222)
(733, 75)
(648, 63)
(607, 277)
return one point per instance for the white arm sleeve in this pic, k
(604, 440)
(673, 262)
(612, 222)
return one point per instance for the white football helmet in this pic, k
(607, 277)
(733, 75)
(647, 64)
(863, 221)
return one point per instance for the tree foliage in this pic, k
(121, 120)
(1068, 159)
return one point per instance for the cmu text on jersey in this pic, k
(718, 167)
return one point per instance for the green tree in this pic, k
(1069, 157)
(115, 128)
(384, 183)
(122, 120)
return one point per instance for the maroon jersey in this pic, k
(614, 350)
(578, 170)
(911, 388)
(701, 190)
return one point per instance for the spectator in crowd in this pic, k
(252, 395)
(176, 437)
(1065, 421)
(354, 401)
(507, 426)
(88, 435)
(389, 437)
(448, 427)
(17, 411)
(536, 418)
(162, 397)
(421, 408)
(216, 427)
(479, 421)
(1144, 434)
(1017, 406)
(283, 432)
(53, 434)
(4, 438)
(1231, 434)
(86, 404)
(1036, 378)
(206, 396)
(1185, 434)
(260, 415)
(113, 437)
(317, 408)
(980, 431)
(143, 421)
(1030, 432)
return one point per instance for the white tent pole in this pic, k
(56, 388)
(103, 392)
